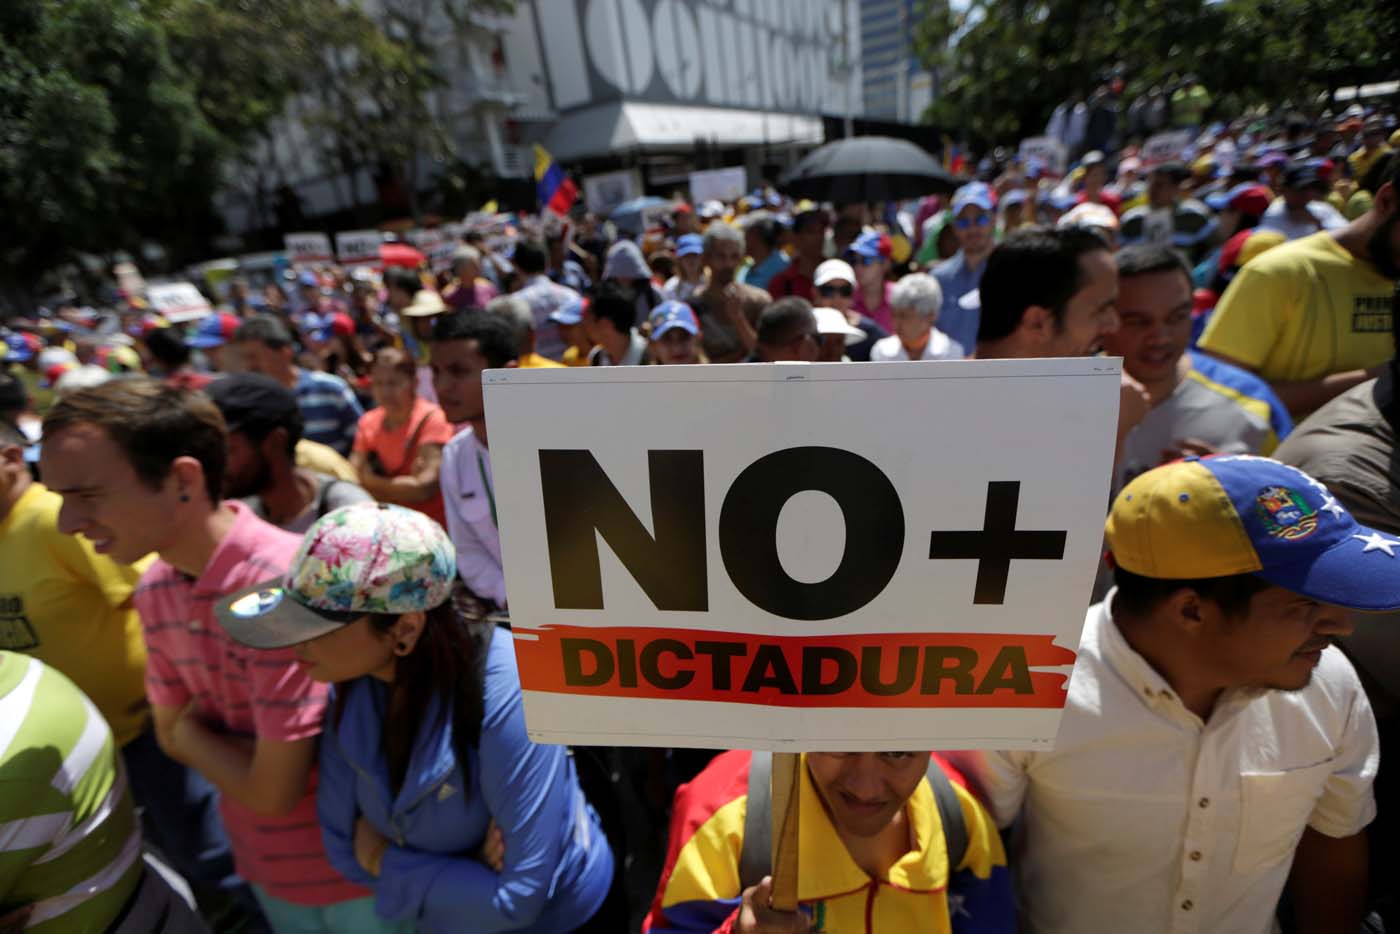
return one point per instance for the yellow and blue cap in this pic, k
(1222, 516)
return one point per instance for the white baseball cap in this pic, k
(833, 269)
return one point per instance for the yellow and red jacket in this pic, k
(700, 890)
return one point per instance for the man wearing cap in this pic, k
(1302, 210)
(916, 300)
(569, 318)
(212, 335)
(835, 335)
(689, 277)
(763, 235)
(1214, 744)
(809, 242)
(1094, 183)
(727, 309)
(465, 346)
(835, 283)
(1239, 207)
(675, 334)
(1373, 146)
(1312, 317)
(961, 273)
(264, 429)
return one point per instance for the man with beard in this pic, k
(1214, 743)
(464, 346)
(1313, 316)
(727, 309)
(264, 426)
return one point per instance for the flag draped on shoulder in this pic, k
(557, 192)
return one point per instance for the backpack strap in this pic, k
(949, 812)
(756, 850)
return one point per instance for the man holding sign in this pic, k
(875, 852)
(758, 588)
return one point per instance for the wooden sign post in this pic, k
(787, 783)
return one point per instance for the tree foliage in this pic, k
(121, 120)
(1007, 63)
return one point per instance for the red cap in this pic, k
(682, 208)
(1253, 200)
(342, 324)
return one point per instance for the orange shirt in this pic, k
(392, 445)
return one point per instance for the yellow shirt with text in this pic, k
(1303, 311)
(70, 607)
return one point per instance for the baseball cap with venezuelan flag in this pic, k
(1222, 516)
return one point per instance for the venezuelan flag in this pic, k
(557, 192)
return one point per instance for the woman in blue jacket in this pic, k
(430, 791)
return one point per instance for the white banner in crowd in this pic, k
(1166, 147)
(718, 185)
(742, 557)
(358, 247)
(178, 302)
(1048, 150)
(606, 190)
(308, 247)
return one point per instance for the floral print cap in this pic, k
(358, 559)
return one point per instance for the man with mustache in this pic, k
(1214, 745)
(1313, 316)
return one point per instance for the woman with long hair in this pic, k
(431, 793)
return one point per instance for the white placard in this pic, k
(726, 185)
(308, 247)
(740, 556)
(178, 302)
(607, 190)
(358, 247)
(1166, 147)
(1048, 150)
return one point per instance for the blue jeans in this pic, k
(180, 820)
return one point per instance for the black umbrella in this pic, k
(867, 168)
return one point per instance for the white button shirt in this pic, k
(467, 501)
(1145, 819)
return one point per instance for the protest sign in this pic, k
(177, 302)
(1048, 150)
(606, 190)
(1166, 147)
(763, 565)
(436, 245)
(718, 184)
(358, 247)
(307, 247)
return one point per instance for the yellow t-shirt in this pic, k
(533, 361)
(313, 455)
(1302, 311)
(575, 357)
(1361, 161)
(70, 607)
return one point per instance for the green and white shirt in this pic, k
(70, 845)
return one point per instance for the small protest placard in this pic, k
(178, 302)
(358, 247)
(308, 247)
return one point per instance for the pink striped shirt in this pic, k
(243, 692)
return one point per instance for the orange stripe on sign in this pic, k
(863, 670)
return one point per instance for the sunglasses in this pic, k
(845, 291)
(981, 220)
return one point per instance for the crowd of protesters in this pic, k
(252, 669)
